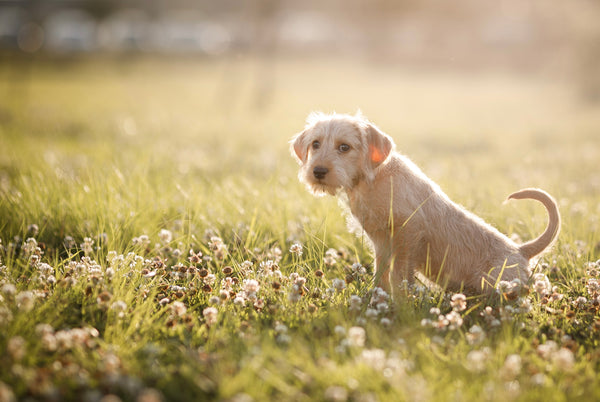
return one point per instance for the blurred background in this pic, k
(533, 36)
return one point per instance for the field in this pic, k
(157, 245)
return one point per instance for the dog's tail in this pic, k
(536, 246)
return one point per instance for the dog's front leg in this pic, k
(382, 270)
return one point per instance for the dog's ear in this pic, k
(299, 147)
(380, 145)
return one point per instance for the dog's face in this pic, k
(338, 151)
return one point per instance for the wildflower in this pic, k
(563, 359)
(385, 322)
(331, 256)
(541, 284)
(379, 295)
(195, 258)
(336, 393)
(45, 269)
(512, 367)
(295, 294)
(9, 289)
(25, 300)
(374, 358)
(339, 330)
(5, 315)
(580, 302)
(142, 240)
(454, 320)
(339, 284)
(239, 300)
(251, 288)
(539, 379)
(246, 266)
(296, 249)
(356, 336)
(87, 245)
(458, 302)
(30, 246)
(119, 307)
(281, 334)
(178, 308)
(218, 247)
(165, 236)
(546, 350)
(16, 348)
(476, 360)
(358, 269)
(210, 315)
(371, 313)
(69, 242)
(382, 307)
(435, 311)
(475, 335)
(355, 303)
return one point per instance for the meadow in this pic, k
(155, 243)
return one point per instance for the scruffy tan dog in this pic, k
(412, 224)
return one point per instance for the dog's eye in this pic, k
(344, 148)
(316, 145)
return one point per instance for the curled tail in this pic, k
(539, 244)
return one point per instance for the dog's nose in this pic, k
(320, 172)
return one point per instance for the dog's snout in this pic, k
(320, 172)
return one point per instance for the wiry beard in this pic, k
(321, 189)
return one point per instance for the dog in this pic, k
(412, 224)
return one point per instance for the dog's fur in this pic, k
(411, 223)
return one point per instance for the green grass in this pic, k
(113, 151)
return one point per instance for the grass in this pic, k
(112, 172)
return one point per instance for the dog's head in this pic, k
(338, 151)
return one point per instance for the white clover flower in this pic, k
(296, 249)
(336, 393)
(386, 322)
(476, 335)
(294, 295)
(379, 295)
(356, 336)
(371, 313)
(546, 350)
(119, 307)
(16, 348)
(454, 320)
(435, 311)
(210, 315)
(87, 245)
(374, 358)
(358, 269)
(541, 284)
(45, 269)
(339, 284)
(239, 300)
(512, 367)
(339, 331)
(165, 236)
(251, 288)
(563, 359)
(25, 300)
(9, 289)
(382, 307)
(355, 302)
(458, 302)
(476, 361)
(178, 308)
